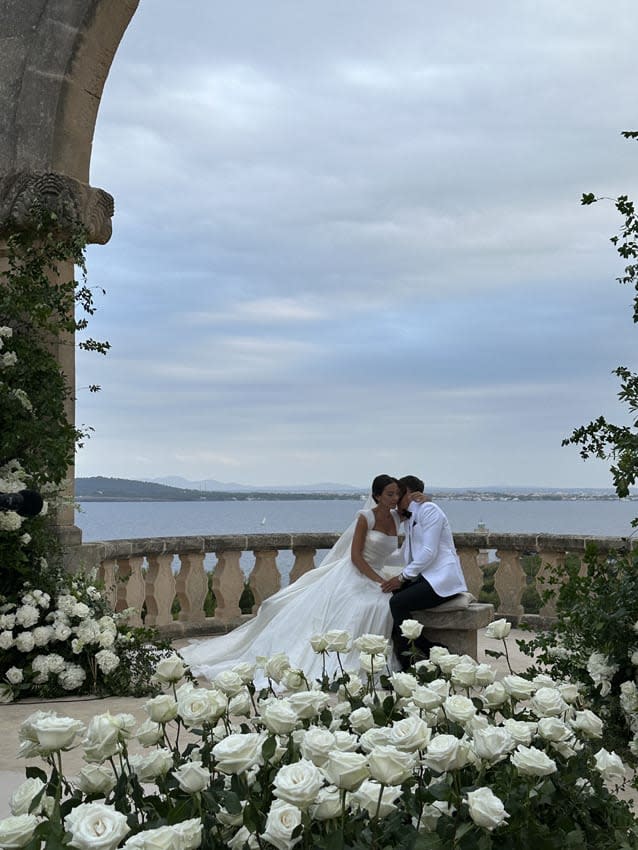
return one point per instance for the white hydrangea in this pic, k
(7, 621)
(107, 661)
(72, 677)
(10, 521)
(15, 675)
(23, 398)
(10, 358)
(27, 616)
(24, 642)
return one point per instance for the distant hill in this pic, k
(233, 487)
(101, 489)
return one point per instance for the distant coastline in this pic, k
(102, 489)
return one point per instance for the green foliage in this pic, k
(600, 438)
(596, 612)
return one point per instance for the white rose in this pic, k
(240, 705)
(95, 826)
(245, 671)
(14, 675)
(492, 743)
(327, 805)
(464, 673)
(426, 698)
(601, 669)
(337, 640)
(498, 629)
(308, 704)
(95, 779)
(346, 770)
(530, 761)
(444, 753)
(361, 720)
(157, 763)
(391, 766)
(16, 831)
(52, 732)
(518, 687)
(242, 838)
(275, 666)
(372, 663)
(484, 675)
(411, 629)
(319, 643)
(376, 799)
(352, 688)
(410, 734)
(200, 705)
(610, 766)
(458, 708)
(298, 783)
(317, 744)
(282, 820)
(6, 640)
(24, 795)
(279, 716)
(105, 733)
(403, 684)
(161, 709)
(192, 777)
(522, 731)
(229, 683)
(294, 680)
(371, 644)
(186, 835)
(588, 723)
(569, 691)
(486, 809)
(345, 741)
(554, 729)
(547, 702)
(377, 737)
(447, 661)
(24, 642)
(238, 752)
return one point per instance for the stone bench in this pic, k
(456, 629)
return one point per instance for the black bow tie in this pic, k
(407, 514)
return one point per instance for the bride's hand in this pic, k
(420, 497)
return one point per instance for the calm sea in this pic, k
(118, 520)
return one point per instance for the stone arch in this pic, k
(55, 57)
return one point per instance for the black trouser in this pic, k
(413, 596)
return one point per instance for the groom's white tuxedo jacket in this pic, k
(428, 549)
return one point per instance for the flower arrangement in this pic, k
(443, 755)
(594, 640)
(71, 641)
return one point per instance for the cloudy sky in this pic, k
(349, 240)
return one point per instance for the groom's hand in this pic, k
(391, 584)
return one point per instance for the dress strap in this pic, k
(369, 517)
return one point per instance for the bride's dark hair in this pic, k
(380, 483)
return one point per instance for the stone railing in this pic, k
(165, 580)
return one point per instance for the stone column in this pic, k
(75, 204)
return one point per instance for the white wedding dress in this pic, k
(334, 595)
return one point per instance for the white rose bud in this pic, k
(391, 766)
(498, 629)
(361, 720)
(404, 684)
(238, 752)
(229, 683)
(371, 644)
(149, 733)
(161, 709)
(317, 744)
(95, 779)
(610, 767)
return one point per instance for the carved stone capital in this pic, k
(23, 193)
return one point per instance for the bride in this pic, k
(343, 592)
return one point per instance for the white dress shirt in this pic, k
(429, 550)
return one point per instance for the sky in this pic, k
(348, 240)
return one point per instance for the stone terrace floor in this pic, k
(11, 716)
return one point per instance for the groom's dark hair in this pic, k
(412, 483)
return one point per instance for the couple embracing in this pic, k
(349, 591)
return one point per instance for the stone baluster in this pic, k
(160, 590)
(304, 562)
(551, 563)
(471, 570)
(509, 581)
(265, 578)
(228, 584)
(107, 575)
(131, 588)
(191, 587)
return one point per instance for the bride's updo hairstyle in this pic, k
(380, 483)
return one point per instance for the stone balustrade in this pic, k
(165, 580)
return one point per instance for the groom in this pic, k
(432, 573)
